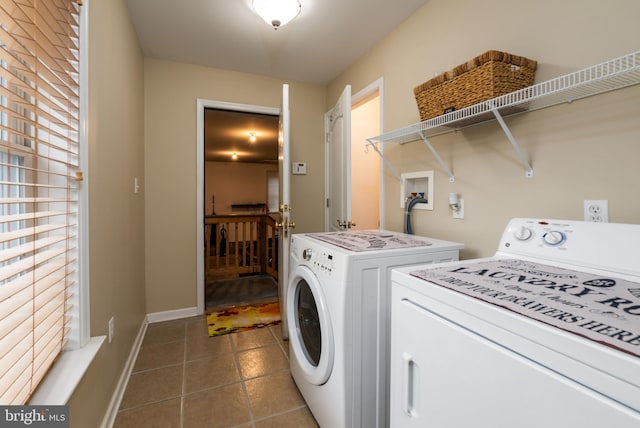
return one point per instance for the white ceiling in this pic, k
(227, 132)
(324, 40)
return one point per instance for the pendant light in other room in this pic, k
(277, 12)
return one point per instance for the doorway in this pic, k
(365, 164)
(353, 178)
(237, 163)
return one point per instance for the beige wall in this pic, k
(171, 91)
(116, 214)
(235, 183)
(585, 150)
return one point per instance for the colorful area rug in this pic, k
(243, 318)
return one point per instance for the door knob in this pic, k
(345, 224)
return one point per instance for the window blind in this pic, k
(39, 155)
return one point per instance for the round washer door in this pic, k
(310, 333)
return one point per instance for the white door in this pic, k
(337, 137)
(285, 223)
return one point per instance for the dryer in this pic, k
(338, 313)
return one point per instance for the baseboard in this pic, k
(172, 315)
(116, 399)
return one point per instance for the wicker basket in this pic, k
(489, 75)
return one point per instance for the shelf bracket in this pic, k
(437, 156)
(514, 143)
(385, 160)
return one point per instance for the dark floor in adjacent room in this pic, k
(244, 290)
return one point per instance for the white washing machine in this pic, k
(544, 334)
(338, 319)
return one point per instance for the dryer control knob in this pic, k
(306, 254)
(523, 233)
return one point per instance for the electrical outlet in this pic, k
(111, 328)
(596, 211)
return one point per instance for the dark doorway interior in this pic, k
(241, 151)
(246, 290)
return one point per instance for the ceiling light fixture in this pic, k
(277, 12)
(234, 156)
(252, 136)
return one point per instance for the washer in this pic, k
(338, 318)
(545, 333)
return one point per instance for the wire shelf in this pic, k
(605, 77)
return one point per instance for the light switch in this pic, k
(299, 168)
(136, 185)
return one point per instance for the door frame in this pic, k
(375, 86)
(201, 105)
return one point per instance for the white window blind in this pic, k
(39, 155)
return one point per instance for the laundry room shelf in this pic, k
(605, 77)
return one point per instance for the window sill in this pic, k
(65, 374)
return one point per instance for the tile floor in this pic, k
(183, 378)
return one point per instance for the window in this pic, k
(39, 172)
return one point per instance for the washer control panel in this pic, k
(321, 260)
(599, 245)
(541, 233)
(549, 236)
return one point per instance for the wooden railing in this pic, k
(240, 244)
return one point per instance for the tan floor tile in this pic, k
(219, 407)
(263, 397)
(212, 380)
(276, 330)
(262, 361)
(211, 372)
(299, 418)
(161, 355)
(252, 339)
(197, 327)
(153, 385)
(208, 347)
(163, 332)
(284, 344)
(165, 414)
